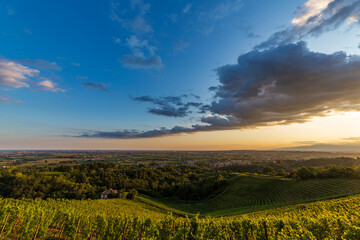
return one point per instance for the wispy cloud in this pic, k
(143, 53)
(179, 45)
(315, 17)
(10, 11)
(140, 61)
(48, 85)
(95, 85)
(333, 147)
(4, 99)
(16, 75)
(211, 15)
(187, 8)
(135, 20)
(40, 64)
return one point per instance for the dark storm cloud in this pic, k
(96, 85)
(287, 84)
(283, 85)
(334, 15)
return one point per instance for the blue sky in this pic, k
(80, 68)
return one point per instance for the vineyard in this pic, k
(72, 219)
(252, 193)
(257, 207)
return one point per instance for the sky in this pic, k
(180, 74)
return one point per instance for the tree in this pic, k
(131, 194)
(281, 172)
(268, 170)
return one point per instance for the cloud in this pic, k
(282, 85)
(133, 61)
(96, 85)
(7, 100)
(352, 139)
(170, 106)
(187, 8)
(221, 10)
(48, 85)
(129, 134)
(287, 84)
(135, 20)
(143, 53)
(315, 17)
(179, 45)
(161, 132)
(277, 83)
(253, 35)
(40, 64)
(14, 74)
(170, 111)
(342, 147)
(10, 11)
(210, 15)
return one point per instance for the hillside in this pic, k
(90, 219)
(252, 193)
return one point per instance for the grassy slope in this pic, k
(254, 193)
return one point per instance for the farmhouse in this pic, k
(105, 194)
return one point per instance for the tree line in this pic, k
(89, 180)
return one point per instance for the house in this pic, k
(105, 194)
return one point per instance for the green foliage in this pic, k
(95, 219)
(269, 170)
(89, 180)
(330, 171)
(131, 194)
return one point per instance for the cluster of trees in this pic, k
(283, 167)
(89, 180)
(325, 172)
(329, 171)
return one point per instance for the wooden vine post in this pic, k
(77, 227)
(123, 237)
(37, 229)
(6, 219)
(141, 231)
(266, 233)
